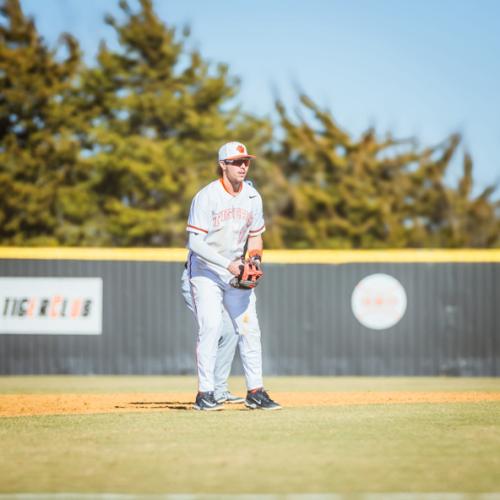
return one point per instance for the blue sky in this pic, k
(416, 68)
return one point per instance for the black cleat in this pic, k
(259, 399)
(206, 401)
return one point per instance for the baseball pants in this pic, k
(227, 343)
(210, 295)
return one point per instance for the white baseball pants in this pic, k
(210, 293)
(226, 347)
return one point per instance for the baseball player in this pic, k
(224, 216)
(226, 348)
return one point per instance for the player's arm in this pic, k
(255, 246)
(197, 227)
(198, 245)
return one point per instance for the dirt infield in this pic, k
(14, 405)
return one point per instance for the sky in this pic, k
(420, 68)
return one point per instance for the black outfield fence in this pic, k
(120, 311)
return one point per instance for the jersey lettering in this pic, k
(232, 214)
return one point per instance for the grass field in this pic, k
(343, 447)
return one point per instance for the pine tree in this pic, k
(160, 113)
(375, 193)
(112, 154)
(38, 146)
(447, 216)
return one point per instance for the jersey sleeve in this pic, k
(199, 215)
(258, 225)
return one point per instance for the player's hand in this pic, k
(250, 276)
(255, 257)
(256, 261)
(235, 267)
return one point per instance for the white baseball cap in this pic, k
(233, 151)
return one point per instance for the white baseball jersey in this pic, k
(225, 221)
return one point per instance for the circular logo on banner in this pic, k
(378, 301)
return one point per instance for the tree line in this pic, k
(110, 154)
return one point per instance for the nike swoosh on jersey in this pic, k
(252, 196)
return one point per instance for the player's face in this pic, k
(236, 170)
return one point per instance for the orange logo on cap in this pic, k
(240, 148)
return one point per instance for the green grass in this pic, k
(376, 448)
(105, 384)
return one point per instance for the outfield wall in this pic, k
(433, 312)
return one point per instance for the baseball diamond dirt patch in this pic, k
(14, 405)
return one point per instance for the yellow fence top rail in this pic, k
(271, 256)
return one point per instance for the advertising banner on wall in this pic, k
(379, 301)
(64, 306)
